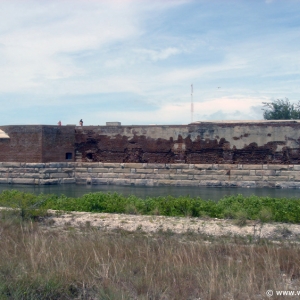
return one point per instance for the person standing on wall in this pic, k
(81, 122)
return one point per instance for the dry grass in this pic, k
(88, 263)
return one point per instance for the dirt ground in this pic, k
(151, 224)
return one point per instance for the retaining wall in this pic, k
(148, 174)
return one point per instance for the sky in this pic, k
(134, 61)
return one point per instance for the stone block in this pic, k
(68, 180)
(178, 166)
(178, 177)
(296, 167)
(194, 172)
(59, 175)
(188, 182)
(278, 178)
(2, 170)
(3, 180)
(144, 171)
(203, 177)
(119, 181)
(211, 183)
(90, 164)
(78, 170)
(11, 164)
(227, 167)
(133, 165)
(103, 181)
(265, 172)
(252, 167)
(216, 172)
(277, 167)
(247, 184)
(130, 176)
(57, 165)
(31, 175)
(252, 178)
(229, 183)
(111, 165)
(240, 172)
(164, 182)
(49, 181)
(49, 170)
(67, 170)
(80, 180)
(154, 166)
(145, 182)
(204, 166)
(110, 175)
(23, 180)
(167, 171)
(98, 170)
(287, 184)
(119, 170)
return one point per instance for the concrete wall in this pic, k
(256, 142)
(264, 142)
(218, 175)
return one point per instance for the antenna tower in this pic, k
(192, 104)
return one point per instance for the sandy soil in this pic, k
(150, 224)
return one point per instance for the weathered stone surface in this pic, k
(23, 181)
(247, 184)
(204, 166)
(59, 175)
(101, 181)
(133, 165)
(68, 180)
(252, 167)
(225, 167)
(144, 171)
(83, 170)
(179, 166)
(111, 165)
(11, 164)
(265, 172)
(97, 170)
(109, 175)
(252, 178)
(188, 182)
(119, 181)
(193, 171)
(154, 166)
(210, 183)
(278, 178)
(49, 170)
(240, 172)
(178, 177)
(90, 164)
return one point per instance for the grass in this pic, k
(237, 207)
(36, 263)
(88, 263)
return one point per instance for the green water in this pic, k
(206, 193)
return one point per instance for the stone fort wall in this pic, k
(254, 154)
(212, 175)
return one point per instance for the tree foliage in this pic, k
(281, 109)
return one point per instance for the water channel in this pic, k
(206, 193)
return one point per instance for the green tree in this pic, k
(281, 109)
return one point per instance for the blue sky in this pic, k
(134, 61)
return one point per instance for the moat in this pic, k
(207, 193)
